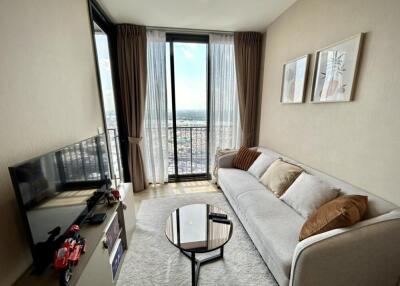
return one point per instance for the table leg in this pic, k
(195, 263)
(193, 260)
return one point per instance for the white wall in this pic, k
(358, 141)
(48, 99)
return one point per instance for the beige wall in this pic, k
(359, 141)
(48, 98)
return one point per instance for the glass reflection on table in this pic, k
(189, 228)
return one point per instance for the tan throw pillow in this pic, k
(245, 158)
(279, 176)
(341, 212)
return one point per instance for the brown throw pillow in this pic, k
(340, 212)
(244, 158)
(279, 176)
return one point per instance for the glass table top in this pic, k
(191, 229)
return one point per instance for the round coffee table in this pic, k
(195, 229)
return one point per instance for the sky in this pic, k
(103, 58)
(190, 63)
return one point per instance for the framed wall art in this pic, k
(294, 80)
(335, 71)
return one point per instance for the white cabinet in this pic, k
(129, 211)
(95, 266)
(99, 269)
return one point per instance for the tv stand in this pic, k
(97, 218)
(94, 266)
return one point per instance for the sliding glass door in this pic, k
(188, 117)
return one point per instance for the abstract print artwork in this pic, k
(335, 71)
(294, 79)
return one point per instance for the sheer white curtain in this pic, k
(156, 116)
(224, 104)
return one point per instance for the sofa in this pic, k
(367, 253)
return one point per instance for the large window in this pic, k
(107, 91)
(187, 88)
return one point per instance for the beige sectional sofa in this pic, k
(368, 253)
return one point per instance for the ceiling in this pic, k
(223, 15)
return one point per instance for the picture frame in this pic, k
(294, 78)
(335, 71)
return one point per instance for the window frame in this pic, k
(98, 16)
(189, 38)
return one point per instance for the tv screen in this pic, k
(53, 189)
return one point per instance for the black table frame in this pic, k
(196, 263)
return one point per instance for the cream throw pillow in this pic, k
(261, 164)
(279, 176)
(308, 193)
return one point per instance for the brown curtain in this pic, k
(132, 73)
(247, 60)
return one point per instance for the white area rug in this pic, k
(152, 260)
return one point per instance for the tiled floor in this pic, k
(174, 189)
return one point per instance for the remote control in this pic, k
(221, 220)
(218, 215)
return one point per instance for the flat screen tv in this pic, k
(59, 189)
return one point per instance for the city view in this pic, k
(103, 58)
(190, 61)
(192, 141)
(191, 134)
(190, 78)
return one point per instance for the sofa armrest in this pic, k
(367, 253)
(225, 161)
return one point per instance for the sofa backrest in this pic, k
(376, 205)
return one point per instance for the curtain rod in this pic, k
(185, 30)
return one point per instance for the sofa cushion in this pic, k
(376, 205)
(238, 182)
(308, 193)
(275, 224)
(341, 212)
(279, 176)
(244, 158)
(272, 225)
(261, 164)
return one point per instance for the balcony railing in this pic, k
(191, 150)
(115, 155)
